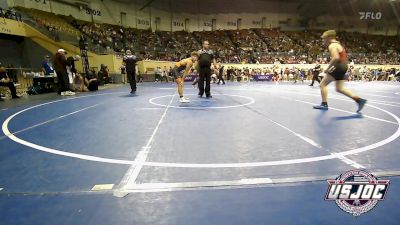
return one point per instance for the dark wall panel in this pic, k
(21, 52)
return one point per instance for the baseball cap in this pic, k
(62, 50)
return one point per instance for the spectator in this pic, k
(7, 82)
(60, 66)
(91, 82)
(47, 67)
(103, 74)
(11, 73)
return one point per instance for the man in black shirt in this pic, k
(221, 75)
(206, 57)
(130, 67)
(71, 63)
(315, 72)
(229, 72)
(60, 66)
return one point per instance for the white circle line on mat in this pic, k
(251, 101)
(194, 165)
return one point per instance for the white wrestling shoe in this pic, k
(184, 100)
(69, 93)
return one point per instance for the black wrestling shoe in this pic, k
(15, 97)
(321, 107)
(361, 104)
(209, 96)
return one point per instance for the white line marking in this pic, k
(102, 187)
(353, 113)
(380, 103)
(397, 93)
(341, 110)
(312, 142)
(387, 92)
(54, 119)
(382, 96)
(158, 186)
(394, 136)
(208, 107)
(349, 161)
(398, 103)
(253, 182)
(306, 139)
(7, 132)
(4, 109)
(133, 172)
(149, 108)
(288, 162)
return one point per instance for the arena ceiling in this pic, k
(306, 8)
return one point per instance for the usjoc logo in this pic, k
(356, 191)
(370, 15)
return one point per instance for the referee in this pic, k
(130, 67)
(315, 72)
(206, 57)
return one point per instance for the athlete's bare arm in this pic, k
(215, 63)
(334, 50)
(189, 65)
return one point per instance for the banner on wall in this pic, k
(143, 23)
(94, 9)
(43, 5)
(12, 27)
(263, 77)
(178, 24)
(190, 78)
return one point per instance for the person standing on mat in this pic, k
(181, 70)
(206, 57)
(316, 71)
(221, 75)
(130, 61)
(336, 72)
(60, 66)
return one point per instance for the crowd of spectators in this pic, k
(293, 73)
(254, 46)
(10, 14)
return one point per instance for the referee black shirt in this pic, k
(130, 63)
(206, 57)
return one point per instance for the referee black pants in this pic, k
(62, 81)
(315, 78)
(221, 78)
(204, 75)
(132, 80)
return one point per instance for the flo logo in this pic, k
(370, 15)
(356, 191)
